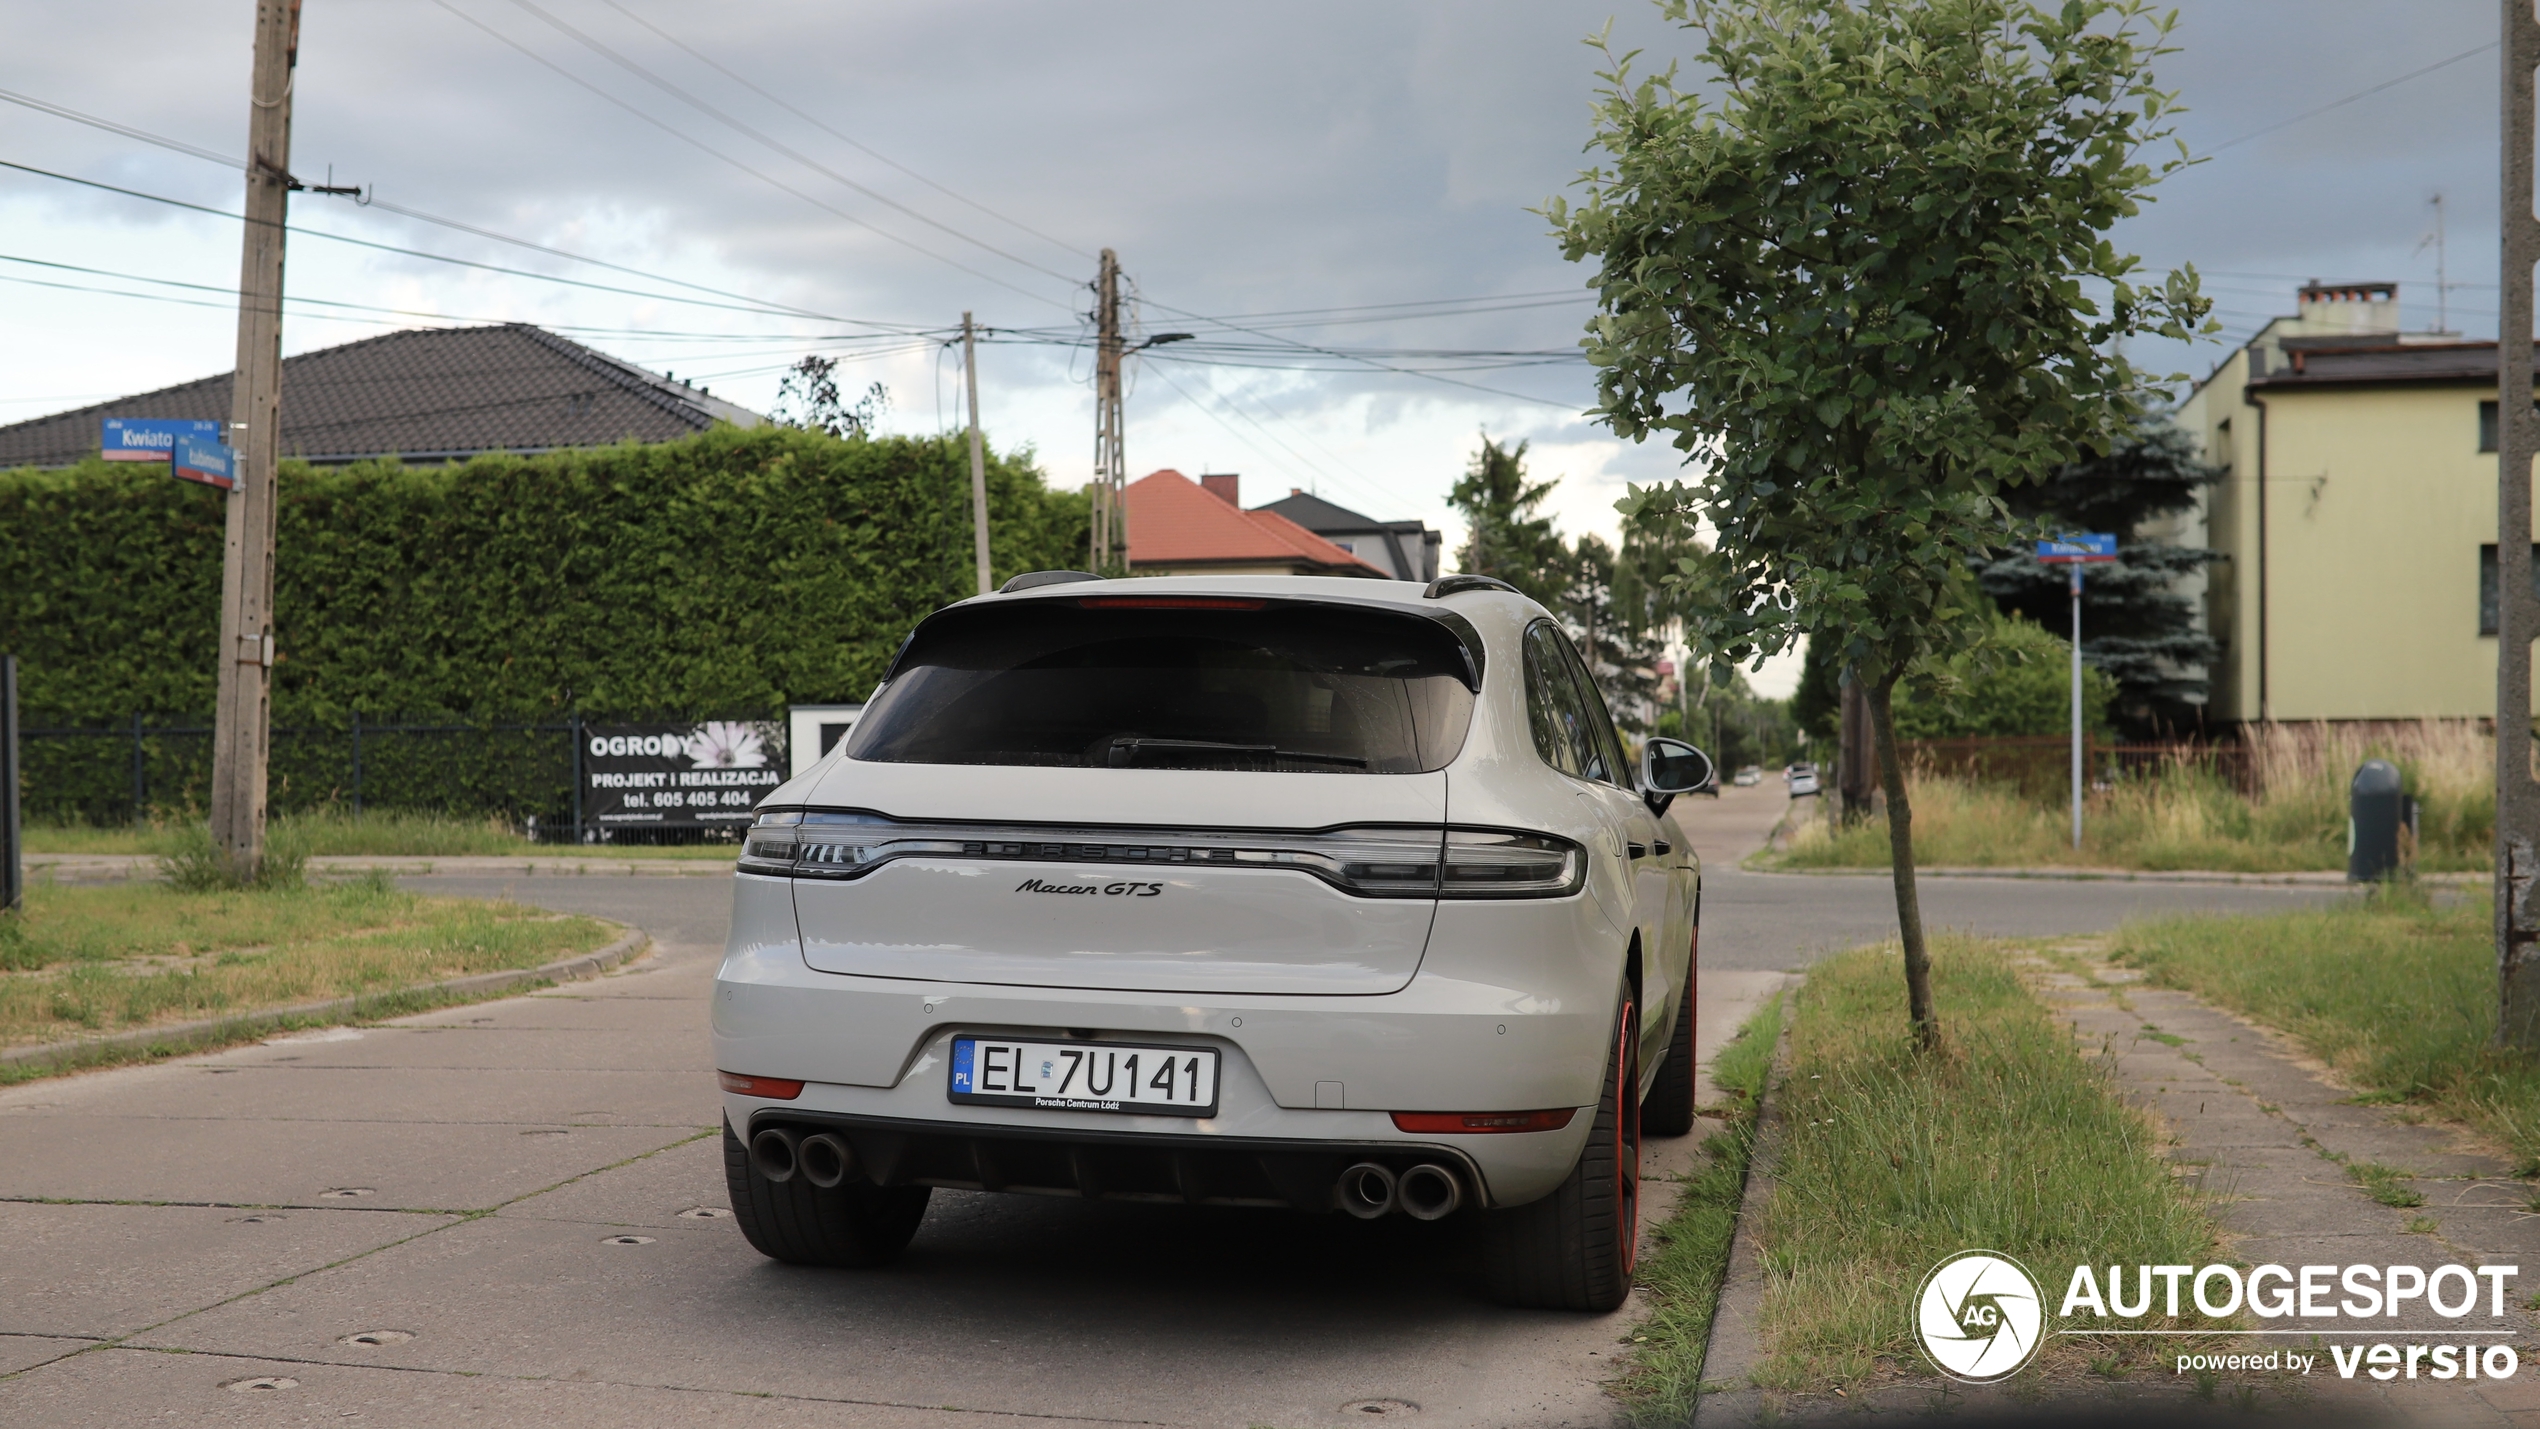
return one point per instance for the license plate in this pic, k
(1085, 1076)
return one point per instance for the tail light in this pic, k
(1371, 862)
(1458, 1123)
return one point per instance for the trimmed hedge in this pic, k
(735, 571)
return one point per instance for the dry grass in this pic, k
(337, 833)
(104, 958)
(2184, 817)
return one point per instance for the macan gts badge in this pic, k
(1241, 891)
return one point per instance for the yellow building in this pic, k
(2356, 517)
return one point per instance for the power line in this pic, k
(857, 145)
(373, 201)
(2349, 99)
(693, 102)
(761, 309)
(701, 146)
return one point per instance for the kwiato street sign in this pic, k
(679, 776)
(150, 438)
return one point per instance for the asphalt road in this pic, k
(514, 1212)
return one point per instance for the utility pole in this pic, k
(1111, 523)
(242, 732)
(978, 453)
(2517, 609)
(2076, 585)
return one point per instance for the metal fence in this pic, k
(527, 774)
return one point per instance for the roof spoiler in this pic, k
(1031, 579)
(1457, 585)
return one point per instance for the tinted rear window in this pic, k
(1295, 688)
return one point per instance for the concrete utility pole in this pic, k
(978, 454)
(2076, 585)
(1111, 519)
(2517, 610)
(242, 732)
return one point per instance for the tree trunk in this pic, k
(1900, 845)
(1856, 755)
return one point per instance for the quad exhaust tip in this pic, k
(824, 1159)
(1429, 1192)
(772, 1154)
(1368, 1190)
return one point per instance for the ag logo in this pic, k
(1980, 1316)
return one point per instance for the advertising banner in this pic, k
(150, 438)
(679, 775)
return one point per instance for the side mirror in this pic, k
(1669, 767)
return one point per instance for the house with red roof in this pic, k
(1181, 527)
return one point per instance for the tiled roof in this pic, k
(427, 393)
(1172, 522)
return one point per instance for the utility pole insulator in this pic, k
(1110, 519)
(978, 455)
(242, 734)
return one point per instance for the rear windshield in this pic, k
(1121, 683)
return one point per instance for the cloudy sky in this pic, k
(1332, 192)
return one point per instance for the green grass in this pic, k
(338, 834)
(2394, 992)
(2005, 1139)
(2188, 818)
(1690, 1253)
(82, 959)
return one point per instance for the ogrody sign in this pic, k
(678, 775)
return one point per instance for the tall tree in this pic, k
(807, 396)
(2135, 625)
(1858, 290)
(1602, 606)
(1507, 534)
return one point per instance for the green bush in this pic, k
(2019, 681)
(728, 574)
(732, 571)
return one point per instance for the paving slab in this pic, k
(395, 1165)
(19, 1352)
(114, 1389)
(665, 1189)
(99, 1271)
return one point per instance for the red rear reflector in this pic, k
(773, 1088)
(1166, 602)
(1469, 1121)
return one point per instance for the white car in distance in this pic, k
(1259, 891)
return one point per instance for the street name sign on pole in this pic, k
(2075, 552)
(242, 715)
(149, 438)
(210, 463)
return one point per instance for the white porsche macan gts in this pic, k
(1228, 890)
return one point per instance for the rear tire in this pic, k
(1574, 1249)
(851, 1226)
(1669, 1110)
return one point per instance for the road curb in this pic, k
(211, 1030)
(120, 867)
(1736, 1345)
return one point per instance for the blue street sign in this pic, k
(150, 438)
(207, 462)
(2081, 549)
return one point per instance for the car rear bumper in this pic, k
(1511, 1010)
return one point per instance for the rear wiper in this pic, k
(1126, 751)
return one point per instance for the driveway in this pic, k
(514, 1212)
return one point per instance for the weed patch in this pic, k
(2005, 1139)
(1690, 1255)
